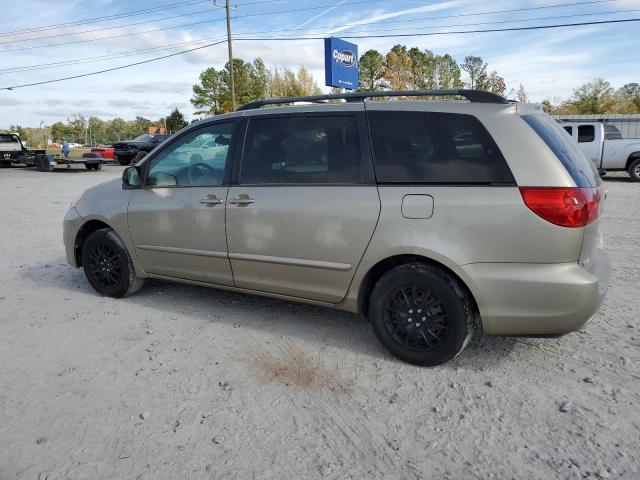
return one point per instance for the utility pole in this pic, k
(227, 8)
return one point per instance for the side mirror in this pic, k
(132, 177)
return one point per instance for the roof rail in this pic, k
(477, 96)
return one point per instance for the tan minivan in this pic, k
(427, 217)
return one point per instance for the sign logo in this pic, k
(340, 63)
(346, 58)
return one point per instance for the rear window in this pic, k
(586, 133)
(434, 148)
(8, 138)
(582, 171)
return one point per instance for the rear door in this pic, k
(177, 221)
(303, 205)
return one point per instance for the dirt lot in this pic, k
(185, 382)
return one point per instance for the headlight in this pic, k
(77, 199)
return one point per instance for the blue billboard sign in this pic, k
(340, 63)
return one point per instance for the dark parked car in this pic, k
(135, 150)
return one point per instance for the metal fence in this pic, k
(628, 124)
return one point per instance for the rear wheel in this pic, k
(421, 314)
(107, 265)
(634, 170)
(5, 164)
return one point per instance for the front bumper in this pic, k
(70, 227)
(538, 299)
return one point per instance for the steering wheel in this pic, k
(197, 171)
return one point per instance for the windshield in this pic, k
(581, 169)
(145, 137)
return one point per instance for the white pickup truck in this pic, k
(605, 152)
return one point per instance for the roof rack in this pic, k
(476, 96)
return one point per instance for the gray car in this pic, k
(427, 217)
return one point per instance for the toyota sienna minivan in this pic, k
(428, 217)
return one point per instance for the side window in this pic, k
(586, 133)
(293, 150)
(196, 159)
(426, 147)
(569, 130)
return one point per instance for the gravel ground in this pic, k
(185, 382)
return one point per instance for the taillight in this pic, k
(565, 206)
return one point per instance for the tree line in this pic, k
(400, 69)
(598, 97)
(95, 130)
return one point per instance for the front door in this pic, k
(304, 206)
(177, 221)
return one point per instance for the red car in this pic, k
(106, 151)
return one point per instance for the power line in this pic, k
(109, 17)
(101, 29)
(492, 30)
(512, 29)
(123, 15)
(498, 22)
(492, 12)
(115, 36)
(182, 44)
(184, 25)
(112, 69)
(64, 63)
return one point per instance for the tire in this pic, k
(123, 161)
(139, 156)
(97, 166)
(42, 164)
(5, 164)
(421, 314)
(107, 265)
(634, 170)
(88, 166)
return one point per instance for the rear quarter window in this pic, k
(434, 148)
(582, 170)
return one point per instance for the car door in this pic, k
(590, 143)
(303, 205)
(177, 220)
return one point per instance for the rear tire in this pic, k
(421, 314)
(634, 170)
(107, 265)
(5, 164)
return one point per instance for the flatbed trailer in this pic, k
(47, 162)
(13, 152)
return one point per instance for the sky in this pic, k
(549, 63)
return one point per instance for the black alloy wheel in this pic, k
(422, 313)
(416, 318)
(105, 265)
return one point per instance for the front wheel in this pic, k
(107, 265)
(421, 314)
(634, 170)
(123, 160)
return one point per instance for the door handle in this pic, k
(211, 200)
(242, 199)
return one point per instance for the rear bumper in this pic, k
(70, 227)
(538, 299)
